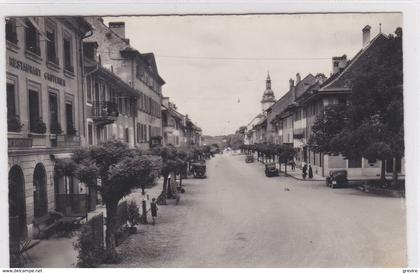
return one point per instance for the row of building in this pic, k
(75, 82)
(289, 120)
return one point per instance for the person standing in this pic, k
(310, 173)
(305, 167)
(293, 165)
(153, 209)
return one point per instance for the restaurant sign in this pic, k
(19, 142)
(24, 67)
(35, 71)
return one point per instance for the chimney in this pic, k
(339, 63)
(291, 83)
(366, 35)
(118, 28)
(292, 89)
(297, 78)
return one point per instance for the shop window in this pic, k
(54, 120)
(11, 100)
(355, 162)
(67, 48)
(150, 133)
(90, 133)
(96, 98)
(11, 34)
(34, 115)
(32, 38)
(127, 135)
(13, 120)
(51, 44)
(69, 118)
(138, 132)
(89, 90)
(120, 105)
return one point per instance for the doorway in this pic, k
(40, 191)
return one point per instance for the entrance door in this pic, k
(17, 207)
(40, 191)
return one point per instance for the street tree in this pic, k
(120, 171)
(170, 164)
(285, 154)
(328, 124)
(374, 127)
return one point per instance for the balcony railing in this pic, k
(104, 112)
(71, 204)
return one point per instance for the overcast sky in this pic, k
(215, 66)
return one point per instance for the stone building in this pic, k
(173, 124)
(295, 113)
(139, 71)
(44, 80)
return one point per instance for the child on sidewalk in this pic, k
(153, 209)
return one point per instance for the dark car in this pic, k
(198, 169)
(249, 159)
(337, 179)
(271, 170)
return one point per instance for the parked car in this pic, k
(271, 170)
(198, 169)
(337, 179)
(249, 159)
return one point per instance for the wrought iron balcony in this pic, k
(104, 112)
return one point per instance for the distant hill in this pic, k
(219, 140)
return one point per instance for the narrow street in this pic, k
(239, 218)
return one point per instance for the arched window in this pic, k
(40, 191)
(17, 207)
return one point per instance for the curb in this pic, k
(382, 192)
(306, 180)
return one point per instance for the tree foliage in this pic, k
(372, 125)
(120, 170)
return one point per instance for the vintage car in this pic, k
(337, 179)
(271, 170)
(249, 159)
(198, 169)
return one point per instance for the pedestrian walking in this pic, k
(310, 173)
(293, 164)
(305, 167)
(153, 209)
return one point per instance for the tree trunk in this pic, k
(394, 172)
(383, 170)
(278, 160)
(285, 168)
(169, 187)
(165, 182)
(111, 229)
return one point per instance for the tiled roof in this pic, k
(341, 79)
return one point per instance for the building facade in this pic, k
(140, 72)
(293, 115)
(44, 80)
(173, 124)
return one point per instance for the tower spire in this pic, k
(268, 81)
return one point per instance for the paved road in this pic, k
(239, 218)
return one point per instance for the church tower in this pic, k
(268, 97)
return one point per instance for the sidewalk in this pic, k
(58, 252)
(297, 173)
